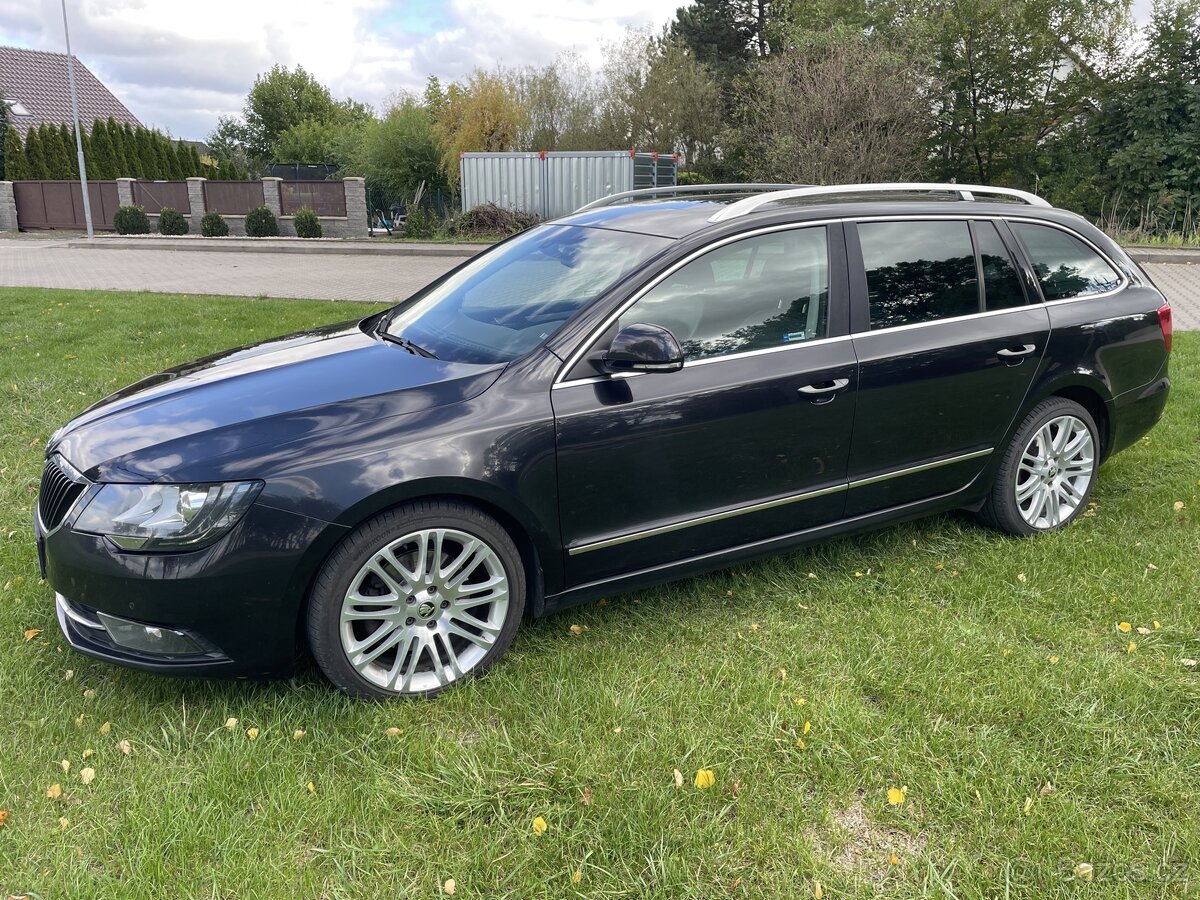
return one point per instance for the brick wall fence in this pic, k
(350, 201)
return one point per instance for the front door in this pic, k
(748, 441)
(948, 346)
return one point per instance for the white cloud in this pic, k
(178, 65)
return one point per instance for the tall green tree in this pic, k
(3, 138)
(14, 157)
(400, 151)
(35, 157)
(147, 158)
(122, 165)
(726, 35)
(100, 162)
(67, 134)
(279, 100)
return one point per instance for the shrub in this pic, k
(307, 224)
(489, 220)
(131, 220)
(212, 225)
(171, 222)
(420, 223)
(261, 222)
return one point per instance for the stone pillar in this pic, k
(271, 195)
(8, 207)
(196, 199)
(125, 192)
(357, 223)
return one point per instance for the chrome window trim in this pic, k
(577, 355)
(860, 335)
(772, 504)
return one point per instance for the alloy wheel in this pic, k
(424, 610)
(1055, 471)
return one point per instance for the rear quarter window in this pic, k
(1066, 267)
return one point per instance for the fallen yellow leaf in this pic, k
(1084, 871)
(799, 701)
(817, 892)
(252, 733)
(1054, 658)
(1021, 577)
(87, 776)
(678, 779)
(1124, 627)
(1177, 506)
(54, 791)
(66, 765)
(539, 826)
(1132, 648)
(89, 694)
(894, 860)
(578, 630)
(1007, 651)
(298, 733)
(586, 797)
(231, 723)
(1190, 663)
(88, 752)
(896, 796)
(105, 728)
(1143, 630)
(1157, 624)
(449, 887)
(705, 778)
(576, 877)
(64, 823)
(800, 744)
(1028, 805)
(31, 633)
(393, 732)
(807, 727)
(68, 675)
(3, 817)
(125, 747)
(312, 788)
(782, 674)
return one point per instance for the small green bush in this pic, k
(212, 225)
(307, 224)
(420, 223)
(171, 222)
(261, 222)
(131, 220)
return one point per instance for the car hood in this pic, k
(273, 392)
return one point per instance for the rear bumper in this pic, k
(235, 605)
(1136, 412)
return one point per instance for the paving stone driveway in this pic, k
(49, 263)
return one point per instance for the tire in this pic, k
(1047, 472)
(384, 623)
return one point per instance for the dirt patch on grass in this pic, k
(858, 846)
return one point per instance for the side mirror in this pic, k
(642, 348)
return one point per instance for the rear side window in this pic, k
(1001, 285)
(1066, 267)
(918, 271)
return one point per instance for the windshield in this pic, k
(507, 301)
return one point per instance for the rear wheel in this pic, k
(1047, 473)
(416, 599)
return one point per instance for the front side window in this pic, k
(508, 300)
(1066, 267)
(918, 271)
(754, 294)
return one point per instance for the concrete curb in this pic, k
(1172, 257)
(278, 245)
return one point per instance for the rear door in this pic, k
(948, 343)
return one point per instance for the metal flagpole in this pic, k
(87, 203)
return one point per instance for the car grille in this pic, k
(61, 487)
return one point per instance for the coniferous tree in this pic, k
(14, 156)
(100, 165)
(162, 149)
(183, 161)
(58, 164)
(149, 160)
(67, 134)
(132, 157)
(116, 137)
(35, 157)
(197, 167)
(3, 138)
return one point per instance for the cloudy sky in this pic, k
(178, 64)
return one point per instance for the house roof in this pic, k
(35, 81)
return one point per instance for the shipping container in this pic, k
(555, 184)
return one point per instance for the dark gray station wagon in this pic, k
(647, 389)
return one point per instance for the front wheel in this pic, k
(1047, 472)
(416, 599)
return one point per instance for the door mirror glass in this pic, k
(642, 348)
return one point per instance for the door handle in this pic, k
(1016, 352)
(825, 387)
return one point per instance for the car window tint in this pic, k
(1065, 265)
(1001, 285)
(918, 271)
(761, 292)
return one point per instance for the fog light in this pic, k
(147, 638)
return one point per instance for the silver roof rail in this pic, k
(961, 191)
(651, 193)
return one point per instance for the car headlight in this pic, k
(166, 516)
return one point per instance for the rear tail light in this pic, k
(1164, 322)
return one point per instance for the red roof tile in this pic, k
(37, 80)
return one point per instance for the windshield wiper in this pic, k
(406, 344)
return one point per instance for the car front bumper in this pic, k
(231, 609)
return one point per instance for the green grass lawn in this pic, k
(988, 677)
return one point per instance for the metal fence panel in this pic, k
(233, 198)
(325, 198)
(154, 196)
(59, 204)
(510, 180)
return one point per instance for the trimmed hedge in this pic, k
(261, 222)
(131, 220)
(307, 224)
(212, 225)
(172, 222)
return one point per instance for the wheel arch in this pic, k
(1086, 389)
